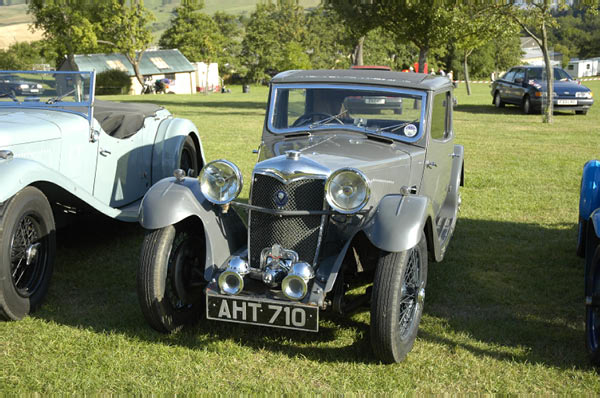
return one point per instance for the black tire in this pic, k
(170, 278)
(27, 234)
(583, 112)
(592, 312)
(498, 101)
(526, 105)
(397, 302)
(188, 159)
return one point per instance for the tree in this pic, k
(270, 30)
(66, 24)
(328, 43)
(23, 56)
(535, 17)
(359, 18)
(124, 29)
(473, 28)
(232, 32)
(194, 33)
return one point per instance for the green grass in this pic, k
(504, 310)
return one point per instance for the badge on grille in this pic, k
(281, 198)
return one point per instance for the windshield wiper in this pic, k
(9, 95)
(395, 127)
(60, 97)
(327, 119)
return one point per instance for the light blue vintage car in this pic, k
(588, 246)
(62, 151)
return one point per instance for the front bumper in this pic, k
(562, 103)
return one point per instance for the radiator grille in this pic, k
(298, 233)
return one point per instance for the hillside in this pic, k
(14, 19)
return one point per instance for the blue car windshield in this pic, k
(540, 74)
(69, 91)
(390, 112)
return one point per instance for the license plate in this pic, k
(34, 90)
(377, 101)
(567, 102)
(263, 312)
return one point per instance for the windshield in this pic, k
(540, 74)
(390, 112)
(70, 91)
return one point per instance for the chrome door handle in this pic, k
(454, 155)
(104, 152)
(430, 164)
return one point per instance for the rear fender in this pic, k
(169, 202)
(399, 222)
(168, 143)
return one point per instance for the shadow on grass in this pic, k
(507, 110)
(167, 102)
(509, 291)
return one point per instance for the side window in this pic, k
(440, 116)
(520, 74)
(509, 76)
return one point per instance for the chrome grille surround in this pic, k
(302, 234)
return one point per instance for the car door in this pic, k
(504, 85)
(440, 150)
(123, 173)
(517, 87)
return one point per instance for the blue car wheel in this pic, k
(592, 309)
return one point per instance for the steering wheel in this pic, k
(308, 117)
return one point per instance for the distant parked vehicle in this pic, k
(588, 247)
(525, 86)
(64, 151)
(17, 85)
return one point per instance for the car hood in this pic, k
(22, 126)
(561, 87)
(387, 165)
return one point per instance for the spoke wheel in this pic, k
(397, 302)
(27, 247)
(188, 159)
(171, 277)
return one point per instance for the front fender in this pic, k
(589, 201)
(169, 140)
(398, 223)
(18, 173)
(169, 202)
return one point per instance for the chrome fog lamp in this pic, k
(231, 281)
(295, 284)
(347, 190)
(220, 181)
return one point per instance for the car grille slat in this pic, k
(298, 233)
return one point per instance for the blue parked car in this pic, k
(588, 246)
(525, 86)
(62, 151)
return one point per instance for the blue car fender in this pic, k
(589, 201)
(169, 140)
(170, 201)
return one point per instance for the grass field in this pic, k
(504, 310)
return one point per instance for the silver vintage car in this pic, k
(346, 209)
(62, 151)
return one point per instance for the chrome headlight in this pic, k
(220, 181)
(583, 94)
(347, 190)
